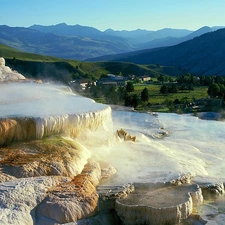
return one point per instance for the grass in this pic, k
(8, 52)
(156, 98)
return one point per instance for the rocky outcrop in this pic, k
(7, 74)
(74, 200)
(212, 191)
(19, 197)
(54, 156)
(123, 135)
(159, 206)
(17, 129)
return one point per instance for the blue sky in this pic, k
(115, 14)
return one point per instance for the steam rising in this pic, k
(37, 100)
(193, 146)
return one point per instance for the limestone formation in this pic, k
(107, 170)
(2, 61)
(74, 200)
(213, 190)
(122, 134)
(35, 114)
(38, 146)
(7, 74)
(163, 205)
(54, 156)
(20, 196)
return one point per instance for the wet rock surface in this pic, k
(55, 156)
(159, 205)
(74, 200)
(19, 197)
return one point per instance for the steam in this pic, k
(40, 100)
(193, 147)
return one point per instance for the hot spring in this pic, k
(167, 147)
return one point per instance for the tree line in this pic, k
(216, 84)
(118, 95)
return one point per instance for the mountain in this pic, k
(55, 69)
(138, 37)
(68, 30)
(83, 42)
(71, 47)
(173, 40)
(135, 37)
(202, 55)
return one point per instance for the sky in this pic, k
(114, 14)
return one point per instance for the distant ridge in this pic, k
(68, 30)
(83, 42)
(204, 54)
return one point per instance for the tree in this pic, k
(164, 89)
(129, 87)
(121, 93)
(161, 78)
(145, 95)
(131, 100)
(213, 90)
(135, 100)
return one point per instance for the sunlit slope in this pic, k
(8, 52)
(201, 55)
(46, 67)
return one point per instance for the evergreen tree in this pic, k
(129, 87)
(145, 95)
(163, 89)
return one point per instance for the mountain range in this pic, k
(82, 42)
(204, 54)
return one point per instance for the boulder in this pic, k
(19, 197)
(74, 200)
(7, 74)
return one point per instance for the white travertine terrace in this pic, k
(163, 205)
(33, 111)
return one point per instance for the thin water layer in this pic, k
(192, 146)
(41, 100)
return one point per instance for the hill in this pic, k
(69, 47)
(174, 40)
(141, 37)
(83, 42)
(202, 55)
(56, 69)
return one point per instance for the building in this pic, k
(112, 79)
(144, 78)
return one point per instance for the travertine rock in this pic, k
(2, 61)
(122, 134)
(6, 74)
(107, 170)
(74, 200)
(55, 156)
(212, 190)
(165, 205)
(19, 197)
